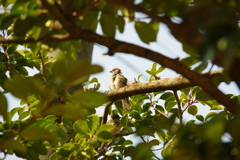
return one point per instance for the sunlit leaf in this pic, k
(81, 127)
(193, 109)
(105, 136)
(105, 127)
(160, 69)
(55, 156)
(24, 115)
(209, 115)
(154, 69)
(93, 123)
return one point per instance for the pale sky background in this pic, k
(133, 66)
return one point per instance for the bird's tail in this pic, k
(126, 104)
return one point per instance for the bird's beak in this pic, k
(110, 71)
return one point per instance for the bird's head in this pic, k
(115, 71)
(115, 117)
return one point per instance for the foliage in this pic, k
(51, 117)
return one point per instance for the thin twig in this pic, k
(126, 134)
(43, 67)
(179, 106)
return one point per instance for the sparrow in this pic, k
(115, 121)
(117, 80)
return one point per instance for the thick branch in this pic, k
(176, 83)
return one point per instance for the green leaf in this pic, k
(24, 115)
(193, 109)
(195, 91)
(89, 20)
(162, 135)
(50, 118)
(73, 72)
(124, 120)
(6, 21)
(93, 80)
(213, 104)
(149, 72)
(57, 128)
(160, 108)
(33, 134)
(3, 106)
(166, 152)
(39, 148)
(56, 156)
(23, 25)
(120, 23)
(81, 127)
(160, 69)
(170, 103)
(93, 123)
(68, 110)
(146, 32)
(146, 107)
(16, 146)
(89, 99)
(138, 78)
(135, 115)
(105, 127)
(13, 112)
(202, 96)
(200, 118)
(190, 122)
(105, 136)
(154, 69)
(210, 114)
(108, 28)
(166, 95)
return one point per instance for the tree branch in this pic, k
(179, 106)
(163, 84)
(105, 113)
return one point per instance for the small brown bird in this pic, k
(115, 120)
(117, 80)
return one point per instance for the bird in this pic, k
(117, 80)
(115, 121)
